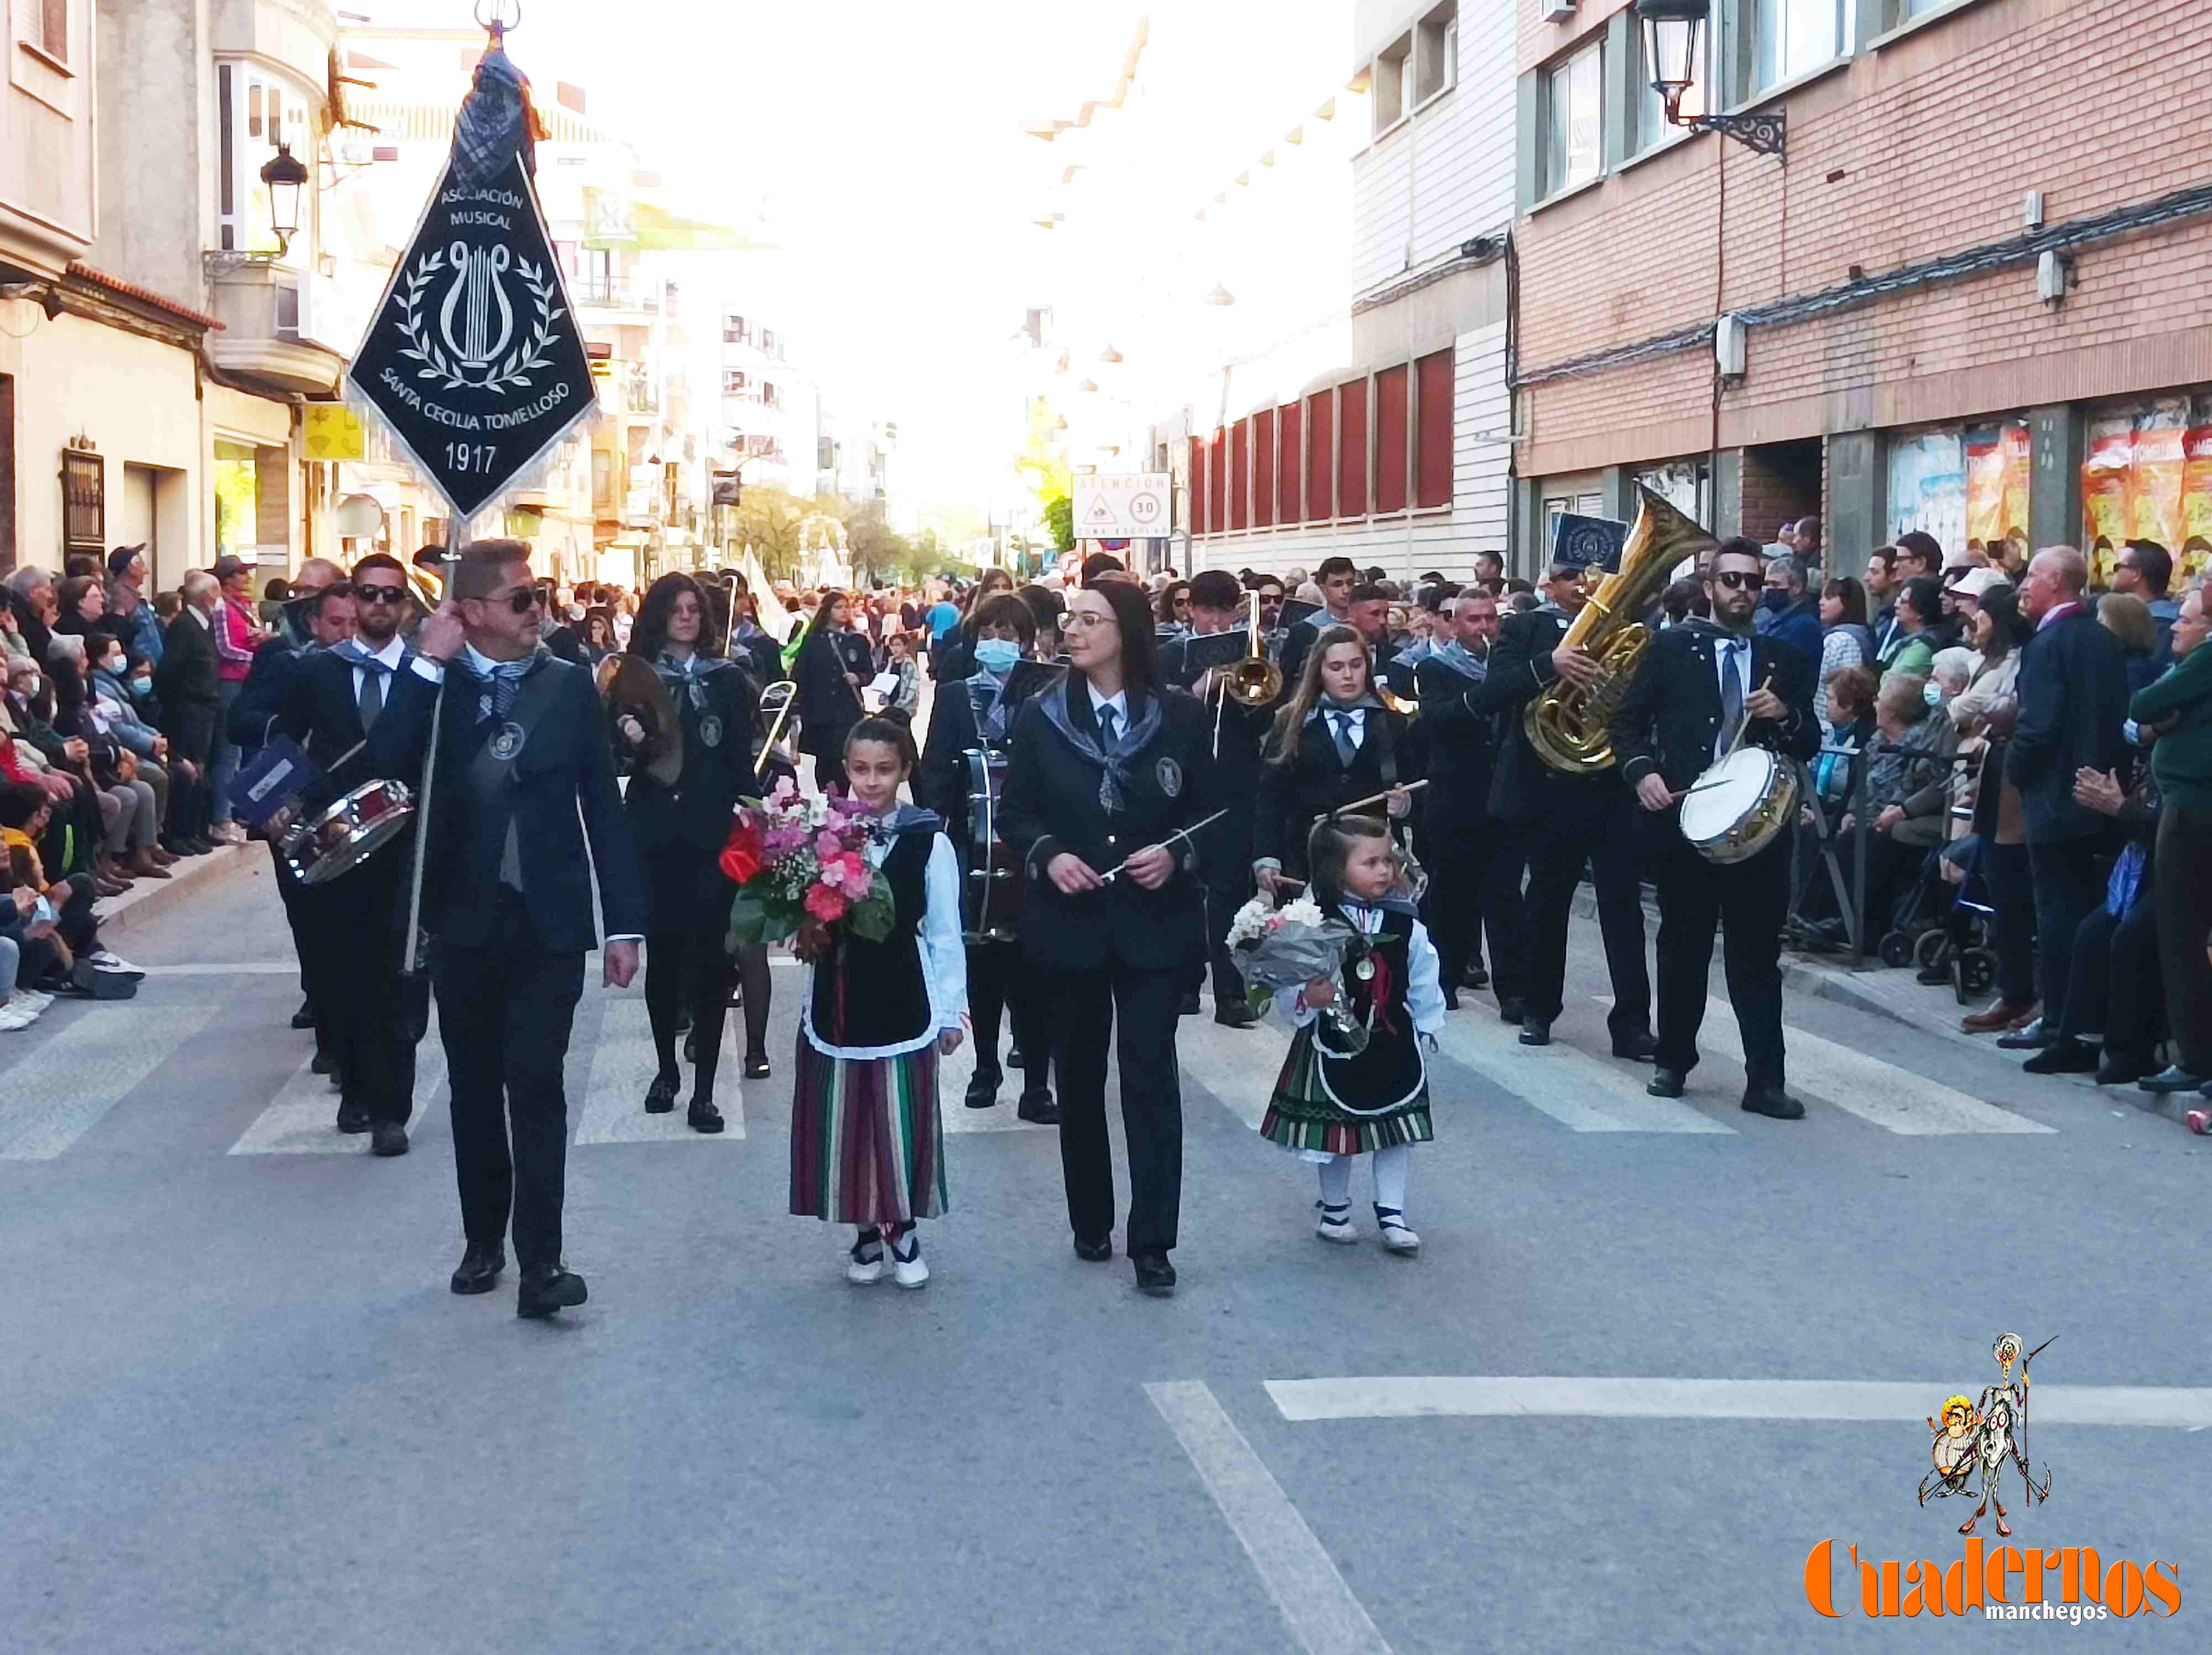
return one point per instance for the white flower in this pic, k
(1304, 912)
(1250, 921)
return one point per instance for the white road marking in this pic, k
(1586, 1093)
(953, 1074)
(302, 1119)
(1879, 1401)
(1237, 1065)
(622, 1066)
(66, 1085)
(1887, 1096)
(1317, 1604)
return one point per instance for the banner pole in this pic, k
(457, 536)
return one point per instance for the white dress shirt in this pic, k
(1119, 701)
(1721, 646)
(394, 652)
(1356, 727)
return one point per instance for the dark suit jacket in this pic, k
(828, 706)
(1242, 732)
(1315, 782)
(943, 784)
(2073, 700)
(1462, 749)
(1052, 805)
(321, 711)
(565, 768)
(1525, 790)
(185, 681)
(1670, 717)
(254, 716)
(695, 812)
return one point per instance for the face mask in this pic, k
(1774, 598)
(1932, 693)
(141, 686)
(996, 656)
(113, 665)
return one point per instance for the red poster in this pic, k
(2196, 550)
(2154, 479)
(2105, 493)
(2018, 450)
(1986, 460)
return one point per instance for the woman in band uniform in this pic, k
(833, 665)
(680, 828)
(1110, 773)
(1334, 743)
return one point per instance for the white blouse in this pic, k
(943, 957)
(1424, 994)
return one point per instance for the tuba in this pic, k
(1567, 725)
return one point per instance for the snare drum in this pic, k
(1736, 807)
(347, 833)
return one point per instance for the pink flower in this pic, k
(855, 878)
(827, 845)
(785, 789)
(825, 904)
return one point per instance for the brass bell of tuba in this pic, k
(1255, 681)
(1567, 725)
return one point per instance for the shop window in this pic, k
(1263, 468)
(1290, 470)
(1574, 120)
(1321, 429)
(1200, 522)
(2148, 477)
(1392, 387)
(1352, 449)
(1433, 395)
(1240, 474)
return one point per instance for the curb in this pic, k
(189, 877)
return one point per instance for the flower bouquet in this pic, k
(1288, 947)
(801, 869)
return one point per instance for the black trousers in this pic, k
(2184, 906)
(2069, 881)
(1748, 900)
(2113, 988)
(289, 891)
(1229, 890)
(504, 1011)
(370, 1014)
(1082, 1007)
(1611, 845)
(1000, 986)
(2012, 922)
(691, 968)
(1474, 889)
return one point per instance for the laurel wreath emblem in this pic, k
(515, 371)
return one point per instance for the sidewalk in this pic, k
(189, 877)
(1892, 993)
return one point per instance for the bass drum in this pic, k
(1736, 807)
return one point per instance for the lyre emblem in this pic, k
(476, 302)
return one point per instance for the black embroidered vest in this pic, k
(873, 995)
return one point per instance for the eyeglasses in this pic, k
(1737, 580)
(1086, 618)
(381, 595)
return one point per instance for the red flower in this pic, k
(741, 853)
(825, 904)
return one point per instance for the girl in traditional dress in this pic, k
(867, 1148)
(1332, 1106)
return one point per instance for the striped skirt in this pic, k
(1301, 1115)
(867, 1145)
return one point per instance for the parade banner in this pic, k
(474, 360)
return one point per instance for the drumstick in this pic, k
(1741, 729)
(1374, 798)
(1107, 878)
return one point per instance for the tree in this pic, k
(1059, 518)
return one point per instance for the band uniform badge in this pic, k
(710, 730)
(507, 741)
(1170, 777)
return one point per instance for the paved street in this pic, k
(239, 1410)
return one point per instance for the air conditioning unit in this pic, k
(1557, 11)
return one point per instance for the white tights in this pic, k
(1391, 1166)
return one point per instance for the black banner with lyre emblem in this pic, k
(474, 358)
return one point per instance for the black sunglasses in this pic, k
(1736, 580)
(522, 599)
(381, 595)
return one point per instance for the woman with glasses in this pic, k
(681, 825)
(1111, 776)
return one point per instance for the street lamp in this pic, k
(1220, 295)
(284, 176)
(1673, 46)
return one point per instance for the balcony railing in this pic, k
(641, 396)
(618, 292)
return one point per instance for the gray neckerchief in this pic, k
(1366, 703)
(1460, 660)
(904, 818)
(1115, 769)
(990, 711)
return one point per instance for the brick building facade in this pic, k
(1887, 381)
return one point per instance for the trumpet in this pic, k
(1254, 681)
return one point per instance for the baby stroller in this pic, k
(1944, 928)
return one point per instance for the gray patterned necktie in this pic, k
(1731, 696)
(370, 701)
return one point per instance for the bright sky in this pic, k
(884, 141)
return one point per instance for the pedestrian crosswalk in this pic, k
(613, 1061)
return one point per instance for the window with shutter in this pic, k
(1263, 468)
(1290, 470)
(1432, 462)
(1320, 427)
(1391, 406)
(1352, 449)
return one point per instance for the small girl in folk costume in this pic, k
(867, 1148)
(1333, 1106)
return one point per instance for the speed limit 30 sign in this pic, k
(1131, 506)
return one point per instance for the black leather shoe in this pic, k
(1235, 1014)
(1016, 1060)
(353, 1117)
(1094, 1252)
(2034, 1038)
(1474, 977)
(548, 1288)
(661, 1096)
(387, 1138)
(1154, 1276)
(1666, 1083)
(2119, 1071)
(703, 1116)
(1535, 1031)
(1038, 1107)
(479, 1270)
(1451, 1003)
(983, 1092)
(756, 1067)
(691, 1047)
(1772, 1100)
(2062, 1057)
(1191, 1006)
(305, 1017)
(1638, 1048)
(323, 1063)
(2173, 1078)
(1509, 1010)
